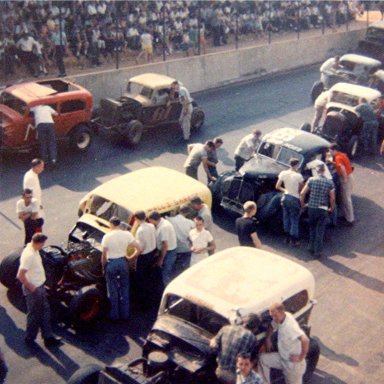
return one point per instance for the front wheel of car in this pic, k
(352, 148)
(8, 269)
(197, 119)
(316, 90)
(88, 374)
(131, 132)
(81, 138)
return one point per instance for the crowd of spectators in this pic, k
(92, 31)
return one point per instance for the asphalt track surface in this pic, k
(348, 319)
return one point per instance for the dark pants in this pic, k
(192, 172)
(239, 162)
(291, 215)
(31, 227)
(47, 141)
(317, 223)
(38, 315)
(168, 268)
(59, 56)
(213, 172)
(369, 136)
(117, 277)
(144, 267)
(29, 60)
(183, 262)
(3, 371)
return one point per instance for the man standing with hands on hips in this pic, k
(293, 345)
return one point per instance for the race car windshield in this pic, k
(136, 89)
(105, 209)
(280, 153)
(13, 102)
(344, 98)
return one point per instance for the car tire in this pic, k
(80, 138)
(88, 374)
(306, 127)
(316, 90)
(197, 118)
(312, 359)
(132, 132)
(86, 305)
(8, 269)
(352, 147)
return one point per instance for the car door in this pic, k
(71, 113)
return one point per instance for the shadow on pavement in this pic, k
(334, 356)
(321, 377)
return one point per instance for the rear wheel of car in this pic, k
(312, 359)
(81, 138)
(316, 90)
(352, 148)
(88, 374)
(197, 119)
(86, 305)
(132, 132)
(8, 269)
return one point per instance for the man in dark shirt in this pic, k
(246, 226)
(370, 125)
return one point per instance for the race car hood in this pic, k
(261, 167)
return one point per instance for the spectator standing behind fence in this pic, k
(146, 41)
(59, 40)
(202, 243)
(26, 45)
(27, 209)
(246, 226)
(46, 132)
(247, 148)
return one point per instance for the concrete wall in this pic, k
(216, 69)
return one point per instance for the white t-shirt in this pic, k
(247, 147)
(322, 100)
(117, 242)
(30, 260)
(146, 236)
(33, 207)
(146, 40)
(196, 156)
(166, 232)
(288, 337)
(43, 114)
(31, 181)
(184, 93)
(291, 180)
(182, 227)
(199, 240)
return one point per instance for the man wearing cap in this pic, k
(115, 266)
(247, 148)
(31, 274)
(229, 342)
(197, 154)
(321, 202)
(246, 226)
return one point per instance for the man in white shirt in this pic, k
(27, 209)
(293, 346)
(293, 183)
(202, 243)
(247, 148)
(26, 44)
(115, 265)
(203, 210)
(166, 244)
(320, 107)
(31, 274)
(146, 41)
(182, 226)
(46, 132)
(146, 237)
(31, 181)
(329, 68)
(197, 154)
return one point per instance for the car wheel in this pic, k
(8, 269)
(88, 374)
(305, 127)
(197, 119)
(316, 90)
(81, 138)
(86, 305)
(312, 359)
(352, 148)
(132, 132)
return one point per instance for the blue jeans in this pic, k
(168, 269)
(144, 268)
(117, 277)
(47, 141)
(183, 262)
(369, 135)
(317, 223)
(38, 315)
(291, 215)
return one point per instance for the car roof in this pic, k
(153, 80)
(242, 278)
(297, 139)
(137, 190)
(357, 90)
(360, 59)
